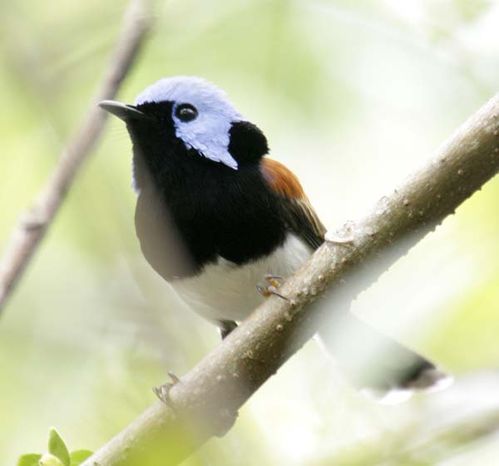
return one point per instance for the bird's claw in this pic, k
(273, 280)
(269, 289)
(163, 391)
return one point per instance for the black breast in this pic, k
(200, 211)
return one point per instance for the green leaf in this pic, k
(30, 459)
(58, 448)
(79, 456)
(50, 460)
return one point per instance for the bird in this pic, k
(215, 216)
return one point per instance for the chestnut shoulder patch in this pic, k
(281, 179)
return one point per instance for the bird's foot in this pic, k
(163, 391)
(273, 282)
(226, 327)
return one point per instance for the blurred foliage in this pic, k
(353, 96)
(57, 454)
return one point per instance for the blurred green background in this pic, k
(353, 96)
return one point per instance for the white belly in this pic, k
(225, 291)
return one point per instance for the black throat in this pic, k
(202, 208)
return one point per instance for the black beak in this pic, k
(123, 111)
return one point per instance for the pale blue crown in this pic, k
(209, 132)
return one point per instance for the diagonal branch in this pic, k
(206, 400)
(32, 227)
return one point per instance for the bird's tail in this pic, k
(377, 363)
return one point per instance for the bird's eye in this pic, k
(186, 112)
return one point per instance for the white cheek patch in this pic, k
(209, 132)
(209, 135)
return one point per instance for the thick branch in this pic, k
(207, 399)
(33, 226)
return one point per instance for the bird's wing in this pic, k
(300, 215)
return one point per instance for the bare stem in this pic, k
(33, 225)
(207, 399)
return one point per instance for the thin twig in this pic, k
(208, 397)
(34, 224)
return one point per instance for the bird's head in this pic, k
(188, 118)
